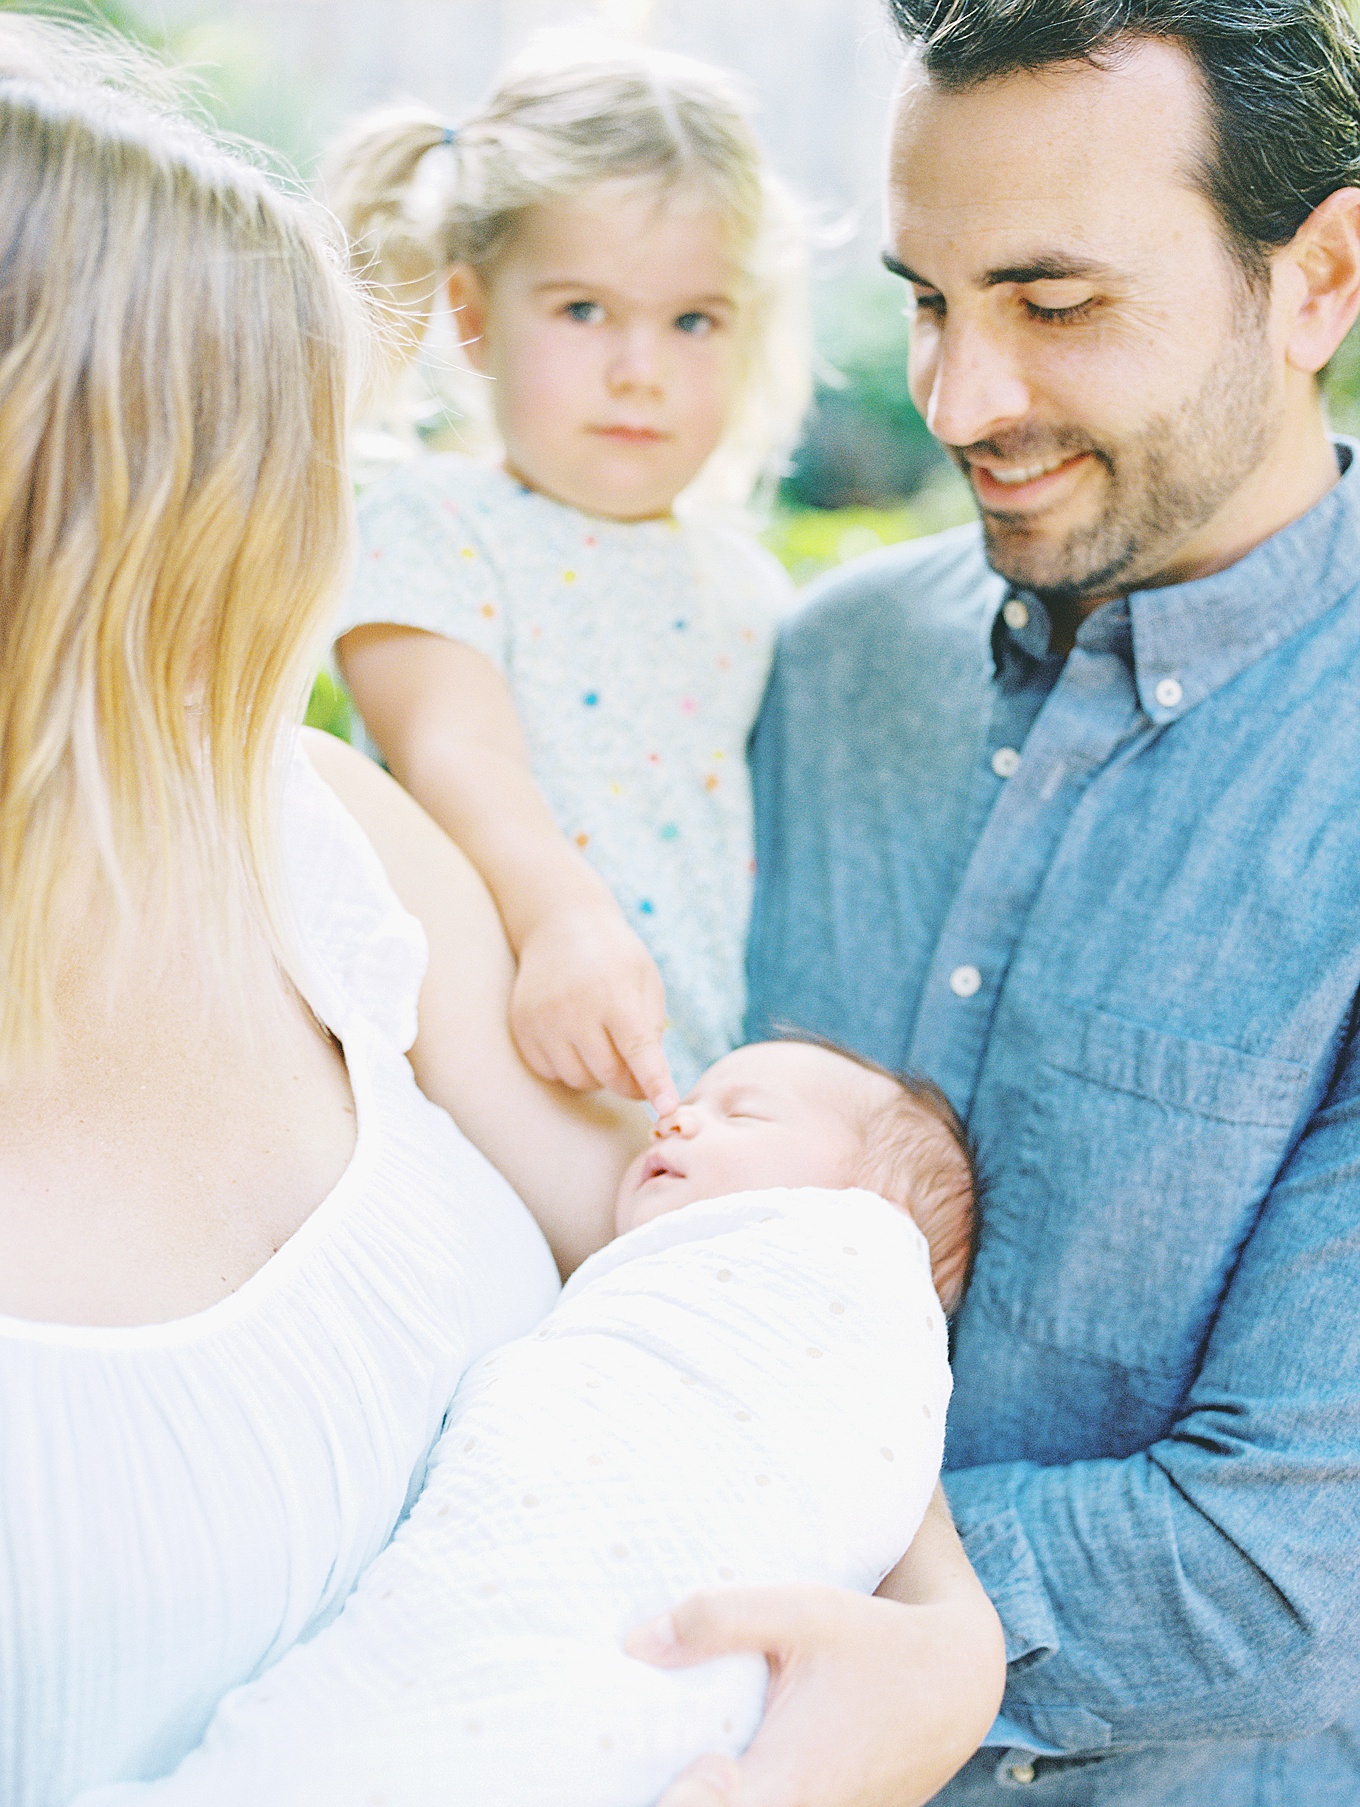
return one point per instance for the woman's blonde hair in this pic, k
(415, 197)
(174, 508)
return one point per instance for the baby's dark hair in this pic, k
(916, 1153)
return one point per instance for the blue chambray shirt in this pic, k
(1112, 905)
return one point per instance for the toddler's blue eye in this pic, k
(696, 322)
(587, 312)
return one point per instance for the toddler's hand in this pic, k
(588, 1007)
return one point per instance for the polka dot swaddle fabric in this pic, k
(750, 1391)
(636, 653)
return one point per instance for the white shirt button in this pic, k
(964, 981)
(1004, 761)
(1015, 614)
(1021, 1772)
(1169, 693)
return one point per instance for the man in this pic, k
(1066, 814)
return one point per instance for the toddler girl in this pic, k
(561, 654)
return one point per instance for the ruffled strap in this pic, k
(362, 952)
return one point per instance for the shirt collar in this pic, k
(1188, 640)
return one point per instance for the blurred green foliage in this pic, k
(865, 441)
(231, 74)
(98, 12)
(330, 706)
(1343, 385)
(809, 541)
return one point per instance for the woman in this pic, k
(243, 1260)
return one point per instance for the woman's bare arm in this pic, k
(562, 1151)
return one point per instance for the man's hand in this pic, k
(588, 1006)
(872, 1702)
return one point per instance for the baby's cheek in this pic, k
(641, 1207)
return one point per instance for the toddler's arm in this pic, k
(588, 1007)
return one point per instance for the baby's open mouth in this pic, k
(655, 1166)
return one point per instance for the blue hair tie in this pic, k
(450, 134)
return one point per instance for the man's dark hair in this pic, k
(1282, 79)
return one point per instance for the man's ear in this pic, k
(1321, 271)
(468, 301)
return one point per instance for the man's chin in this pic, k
(1059, 566)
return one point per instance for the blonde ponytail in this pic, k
(393, 224)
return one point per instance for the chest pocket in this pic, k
(1140, 1161)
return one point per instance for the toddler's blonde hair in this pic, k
(570, 114)
(174, 509)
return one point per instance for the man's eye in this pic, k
(1061, 316)
(931, 303)
(1062, 301)
(696, 322)
(589, 313)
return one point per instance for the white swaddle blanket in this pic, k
(751, 1390)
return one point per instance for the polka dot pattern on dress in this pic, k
(636, 654)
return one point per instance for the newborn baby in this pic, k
(795, 1113)
(747, 1386)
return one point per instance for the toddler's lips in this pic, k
(628, 435)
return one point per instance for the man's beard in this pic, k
(1163, 484)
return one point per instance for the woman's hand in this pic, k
(872, 1702)
(588, 1007)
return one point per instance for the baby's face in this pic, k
(773, 1114)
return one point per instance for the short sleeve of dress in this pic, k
(423, 559)
(361, 951)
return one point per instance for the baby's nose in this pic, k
(679, 1122)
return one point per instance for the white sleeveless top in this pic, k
(181, 1502)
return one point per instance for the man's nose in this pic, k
(968, 384)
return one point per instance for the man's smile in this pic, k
(1002, 487)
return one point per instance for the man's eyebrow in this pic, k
(1052, 268)
(1048, 269)
(894, 268)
